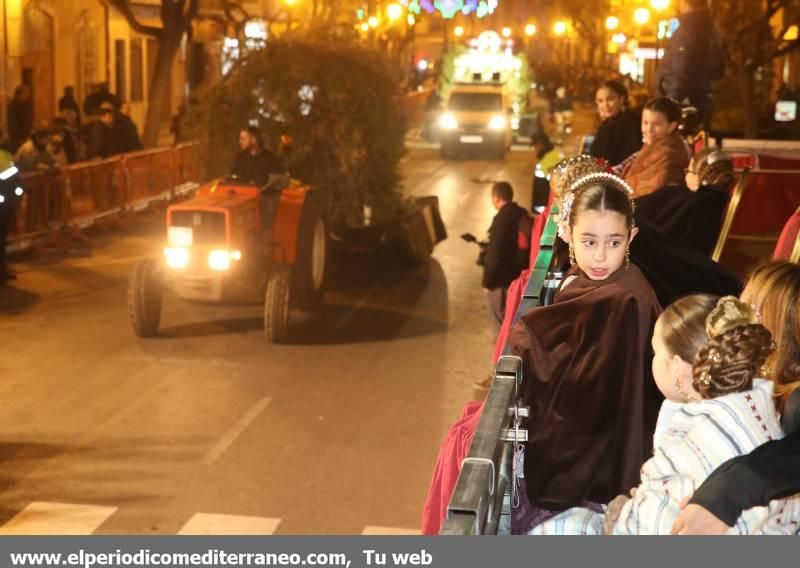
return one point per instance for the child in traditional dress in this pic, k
(586, 362)
(708, 361)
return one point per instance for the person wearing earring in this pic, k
(592, 406)
(708, 353)
(772, 471)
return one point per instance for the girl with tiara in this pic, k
(586, 360)
(672, 272)
(708, 363)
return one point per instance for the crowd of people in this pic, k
(102, 127)
(663, 395)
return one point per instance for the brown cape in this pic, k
(589, 385)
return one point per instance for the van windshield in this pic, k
(476, 102)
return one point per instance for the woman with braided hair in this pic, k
(691, 213)
(772, 471)
(586, 361)
(709, 363)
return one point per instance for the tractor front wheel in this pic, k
(276, 304)
(145, 291)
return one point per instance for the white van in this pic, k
(476, 116)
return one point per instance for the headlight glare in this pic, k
(177, 257)
(219, 260)
(497, 123)
(448, 122)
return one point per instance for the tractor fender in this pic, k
(286, 224)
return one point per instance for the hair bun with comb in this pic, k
(729, 314)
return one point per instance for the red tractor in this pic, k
(237, 241)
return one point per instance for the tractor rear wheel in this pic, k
(145, 291)
(276, 304)
(311, 263)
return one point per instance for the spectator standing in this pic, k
(20, 117)
(694, 58)
(125, 134)
(100, 143)
(65, 124)
(33, 155)
(91, 104)
(175, 126)
(68, 102)
(501, 264)
(106, 96)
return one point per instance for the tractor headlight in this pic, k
(177, 257)
(448, 122)
(497, 123)
(219, 260)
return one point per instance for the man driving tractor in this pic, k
(253, 162)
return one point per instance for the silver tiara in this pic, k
(585, 181)
(601, 177)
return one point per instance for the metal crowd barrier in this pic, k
(80, 194)
(482, 498)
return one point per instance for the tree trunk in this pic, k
(747, 83)
(157, 103)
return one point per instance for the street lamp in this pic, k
(411, 20)
(373, 22)
(365, 27)
(530, 30)
(506, 32)
(394, 11)
(641, 16)
(560, 28)
(459, 31)
(612, 23)
(659, 5)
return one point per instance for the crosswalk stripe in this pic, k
(46, 518)
(210, 524)
(389, 531)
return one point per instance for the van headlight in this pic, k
(177, 257)
(497, 123)
(219, 260)
(448, 122)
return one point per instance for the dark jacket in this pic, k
(125, 136)
(256, 168)
(100, 140)
(693, 218)
(618, 137)
(20, 122)
(501, 266)
(69, 102)
(693, 58)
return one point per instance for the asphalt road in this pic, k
(208, 429)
